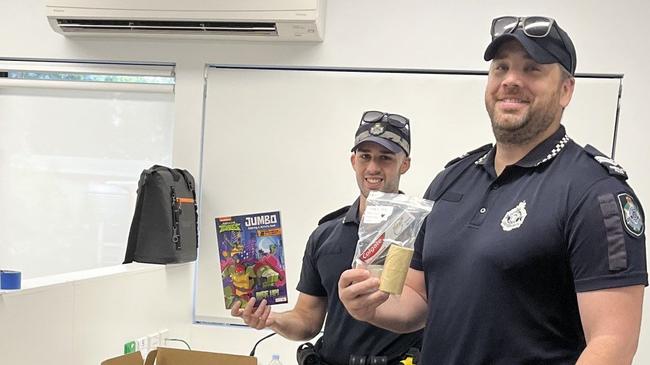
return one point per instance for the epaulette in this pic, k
(481, 149)
(335, 214)
(610, 165)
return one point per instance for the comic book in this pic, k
(252, 258)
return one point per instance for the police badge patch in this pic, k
(631, 214)
(377, 129)
(514, 217)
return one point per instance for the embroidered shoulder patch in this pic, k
(631, 214)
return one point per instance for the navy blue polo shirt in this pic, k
(329, 252)
(504, 256)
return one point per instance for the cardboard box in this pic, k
(169, 356)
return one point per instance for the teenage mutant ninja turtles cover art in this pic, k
(252, 258)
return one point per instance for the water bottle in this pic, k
(275, 360)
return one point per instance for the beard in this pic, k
(520, 130)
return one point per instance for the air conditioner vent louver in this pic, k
(237, 20)
(164, 27)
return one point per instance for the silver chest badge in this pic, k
(514, 217)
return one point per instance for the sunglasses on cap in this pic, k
(395, 120)
(532, 26)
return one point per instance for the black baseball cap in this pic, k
(556, 47)
(395, 136)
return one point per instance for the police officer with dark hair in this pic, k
(380, 155)
(534, 252)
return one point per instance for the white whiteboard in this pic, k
(280, 140)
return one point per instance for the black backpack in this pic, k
(164, 229)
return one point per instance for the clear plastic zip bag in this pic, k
(387, 235)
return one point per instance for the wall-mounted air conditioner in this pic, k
(280, 20)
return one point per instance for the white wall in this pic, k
(87, 316)
(609, 37)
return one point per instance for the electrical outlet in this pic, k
(142, 344)
(162, 336)
(154, 340)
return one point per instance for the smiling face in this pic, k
(377, 168)
(524, 99)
